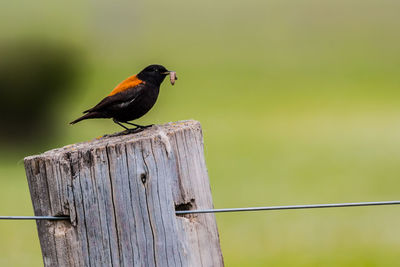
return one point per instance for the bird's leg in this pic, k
(138, 128)
(137, 125)
(120, 124)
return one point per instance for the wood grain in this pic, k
(121, 193)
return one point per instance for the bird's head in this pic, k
(153, 73)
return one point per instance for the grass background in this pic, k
(299, 103)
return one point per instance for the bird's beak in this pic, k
(167, 72)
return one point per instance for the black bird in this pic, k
(132, 98)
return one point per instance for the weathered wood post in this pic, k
(121, 193)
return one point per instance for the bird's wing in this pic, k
(126, 84)
(121, 94)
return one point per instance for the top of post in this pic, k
(148, 133)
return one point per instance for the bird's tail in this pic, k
(90, 115)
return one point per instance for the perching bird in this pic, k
(132, 98)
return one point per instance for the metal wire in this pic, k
(313, 206)
(293, 207)
(33, 218)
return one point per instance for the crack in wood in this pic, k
(143, 177)
(185, 206)
(148, 208)
(83, 209)
(113, 204)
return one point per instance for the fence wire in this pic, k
(183, 212)
(294, 207)
(33, 218)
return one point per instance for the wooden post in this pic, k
(121, 193)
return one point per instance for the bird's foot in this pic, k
(139, 126)
(125, 132)
(138, 129)
(134, 130)
(145, 126)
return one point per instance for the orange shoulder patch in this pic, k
(126, 84)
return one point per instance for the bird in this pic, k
(131, 99)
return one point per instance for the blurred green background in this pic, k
(299, 102)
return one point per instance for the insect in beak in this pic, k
(172, 77)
